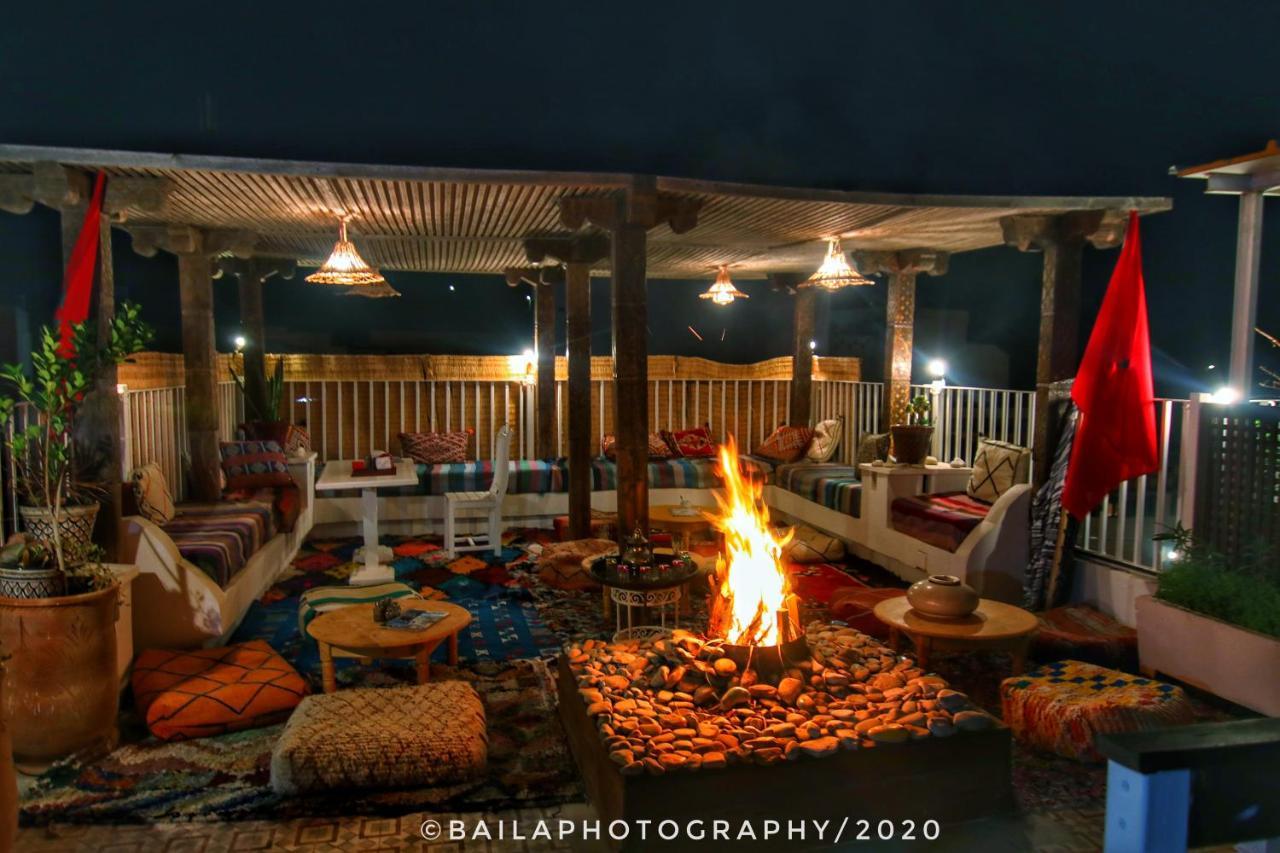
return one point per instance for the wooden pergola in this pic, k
(256, 218)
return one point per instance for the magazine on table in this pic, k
(415, 620)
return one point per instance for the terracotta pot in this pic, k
(8, 782)
(911, 444)
(943, 596)
(62, 687)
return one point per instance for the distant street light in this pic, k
(1225, 396)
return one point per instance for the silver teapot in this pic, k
(637, 550)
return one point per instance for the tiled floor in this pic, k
(1059, 831)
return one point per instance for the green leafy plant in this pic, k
(920, 411)
(1243, 591)
(274, 394)
(41, 447)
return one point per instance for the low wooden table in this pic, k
(681, 527)
(994, 626)
(352, 632)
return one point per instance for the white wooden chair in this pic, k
(490, 502)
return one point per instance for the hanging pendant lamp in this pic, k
(835, 271)
(722, 292)
(346, 267)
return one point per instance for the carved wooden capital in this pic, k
(258, 268)
(577, 249)
(911, 261)
(17, 193)
(638, 205)
(533, 276)
(1033, 232)
(189, 240)
(58, 186)
(145, 195)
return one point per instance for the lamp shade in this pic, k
(346, 267)
(722, 292)
(835, 271)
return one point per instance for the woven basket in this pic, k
(75, 527)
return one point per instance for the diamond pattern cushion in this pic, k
(786, 444)
(826, 439)
(692, 443)
(151, 492)
(396, 737)
(1061, 706)
(193, 694)
(435, 448)
(254, 464)
(997, 466)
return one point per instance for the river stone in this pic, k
(973, 721)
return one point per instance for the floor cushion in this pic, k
(603, 525)
(812, 546)
(1081, 632)
(1061, 706)
(397, 737)
(193, 694)
(855, 607)
(321, 599)
(561, 565)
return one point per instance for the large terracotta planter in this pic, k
(1229, 661)
(8, 781)
(61, 688)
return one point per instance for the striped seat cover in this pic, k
(219, 538)
(833, 486)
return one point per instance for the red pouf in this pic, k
(855, 606)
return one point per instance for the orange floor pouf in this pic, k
(193, 694)
(1061, 706)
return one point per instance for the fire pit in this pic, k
(791, 722)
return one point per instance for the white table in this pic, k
(337, 476)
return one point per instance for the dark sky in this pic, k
(915, 97)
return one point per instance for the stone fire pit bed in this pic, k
(855, 728)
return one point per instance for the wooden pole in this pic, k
(544, 347)
(899, 332)
(631, 376)
(802, 357)
(578, 329)
(253, 324)
(107, 402)
(200, 362)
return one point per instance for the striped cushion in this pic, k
(942, 520)
(219, 538)
(254, 464)
(320, 599)
(833, 486)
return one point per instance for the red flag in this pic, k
(77, 287)
(1116, 436)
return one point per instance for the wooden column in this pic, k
(902, 268)
(578, 327)
(544, 347)
(577, 254)
(628, 215)
(251, 274)
(1061, 238)
(802, 357)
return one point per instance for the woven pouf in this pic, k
(1081, 632)
(1061, 706)
(395, 737)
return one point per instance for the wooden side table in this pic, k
(352, 632)
(681, 527)
(994, 626)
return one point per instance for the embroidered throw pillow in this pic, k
(435, 448)
(658, 447)
(786, 444)
(826, 438)
(609, 447)
(693, 443)
(997, 466)
(151, 492)
(254, 464)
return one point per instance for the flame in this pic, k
(750, 589)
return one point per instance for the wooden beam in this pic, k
(631, 377)
(902, 268)
(544, 348)
(802, 357)
(195, 282)
(251, 274)
(1061, 239)
(578, 329)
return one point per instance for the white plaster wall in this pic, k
(1112, 590)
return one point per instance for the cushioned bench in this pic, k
(836, 487)
(220, 538)
(943, 520)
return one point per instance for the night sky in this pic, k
(995, 98)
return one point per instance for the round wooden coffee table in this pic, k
(994, 626)
(352, 632)
(681, 527)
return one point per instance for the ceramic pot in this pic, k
(61, 683)
(74, 524)
(8, 782)
(31, 583)
(943, 596)
(911, 444)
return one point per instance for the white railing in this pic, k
(964, 415)
(1121, 528)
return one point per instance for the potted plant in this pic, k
(1214, 622)
(58, 505)
(913, 440)
(58, 603)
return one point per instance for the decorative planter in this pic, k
(943, 596)
(61, 684)
(31, 583)
(911, 444)
(8, 781)
(1224, 659)
(74, 525)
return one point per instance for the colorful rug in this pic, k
(228, 777)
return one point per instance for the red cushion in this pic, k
(254, 464)
(658, 447)
(692, 443)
